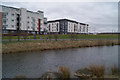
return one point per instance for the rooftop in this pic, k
(19, 9)
(66, 20)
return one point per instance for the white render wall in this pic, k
(53, 27)
(10, 19)
(80, 28)
(72, 27)
(23, 20)
(28, 19)
(0, 8)
(33, 21)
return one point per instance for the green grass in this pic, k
(78, 36)
(21, 41)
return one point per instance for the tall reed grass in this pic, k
(65, 72)
(97, 70)
(114, 70)
(48, 45)
(20, 77)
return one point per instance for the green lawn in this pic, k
(78, 36)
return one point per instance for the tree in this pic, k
(18, 33)
(49, 36)
(10, 36)
(56, 36)
(25, 35)
(73, 36)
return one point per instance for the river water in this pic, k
(33, 64)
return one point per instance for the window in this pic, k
(4, 26)
(57, 26)
(4, 21)
(83, 29)
(4, 15)
(12, 14)
(19, 24)
(12, 20)
(33, 19)
(28, 17)
(12, 26)
(33, 24)
(80, 28)
(49, 27)
(28, 27)
(33, 29)
(28, 22)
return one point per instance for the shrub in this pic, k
(56, 36)
(114, 70)
(22, 77)
(65, 72)
(97, 70)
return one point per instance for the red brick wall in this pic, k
(39, 25)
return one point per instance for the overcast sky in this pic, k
(101, 16)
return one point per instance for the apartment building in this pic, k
(0, 20)
(14, 19)
(66, 26)
(21, 19)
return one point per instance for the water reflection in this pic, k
(32, 64)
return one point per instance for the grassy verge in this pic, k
(23, 46)
(79, 36)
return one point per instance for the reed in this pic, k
(114, 70)
(20, 77)
(16, 47)
(97, 70)
(65, 72)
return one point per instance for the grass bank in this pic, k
(15, 47)
(60, 36)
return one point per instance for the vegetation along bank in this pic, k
(37, 45)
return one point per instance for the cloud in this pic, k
(101, 16)
(59, 0)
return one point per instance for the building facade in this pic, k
(21, 19)
(14, 19)
(0, 20)
(66, 26)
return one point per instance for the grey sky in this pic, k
(101, 16)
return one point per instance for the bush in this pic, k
(22, 77)
(114, 70)
(97, 70)
(65, 72)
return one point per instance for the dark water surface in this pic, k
(32, 64)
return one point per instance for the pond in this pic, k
(33, 64)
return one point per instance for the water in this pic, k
(33, 64)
